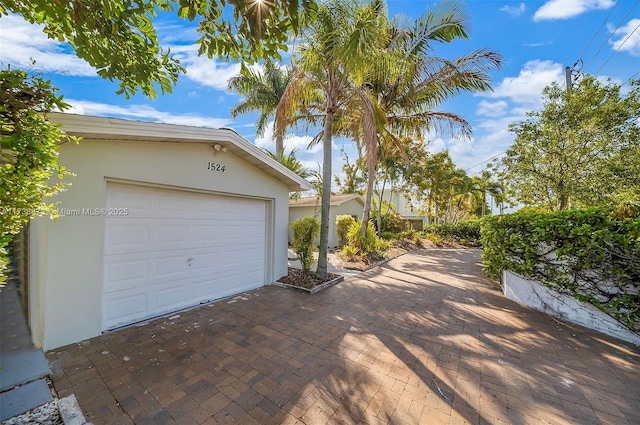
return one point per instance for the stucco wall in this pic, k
(352, 207)
(66, 272)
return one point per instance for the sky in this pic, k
(536, 38)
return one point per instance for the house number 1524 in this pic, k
(214, 166)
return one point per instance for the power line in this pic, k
(598, 31)
(622, 57)
(615, 30)
(486, 160)
(621, 44)
(631, 78)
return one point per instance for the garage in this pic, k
(158, 218)
(169, 249)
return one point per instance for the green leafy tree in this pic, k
(333, 52)
(581, 150)
(409, 83)
(28, 155)
(262, 91)
(118, 38)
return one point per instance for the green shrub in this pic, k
(368, 245)
(390, 219)
(585, 253)
(465, 233)
(342, 227)
(349, 252)
(305, 231)
(390, 236)
(433, 238)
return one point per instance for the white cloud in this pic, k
(22, 43)
(291, 141)
(514, 10)
(526, 88)
(202, 70)
(628, 38)
(540, 44)
(565, 9)
(144, 113)
(210, 72)
(492, 109)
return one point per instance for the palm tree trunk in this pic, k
(279, 145)
(322, 270)
(367, 202)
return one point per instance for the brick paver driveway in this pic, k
(422, 340)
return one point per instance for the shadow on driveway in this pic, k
(425, 339)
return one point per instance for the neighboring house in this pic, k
(404, 207)
(159, 218)
(351, 204)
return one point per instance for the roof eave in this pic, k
(104, 128)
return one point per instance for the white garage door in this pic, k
(173, 249)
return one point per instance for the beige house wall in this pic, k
(66, 255)
(352, 207)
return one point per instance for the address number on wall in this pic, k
(215, 166)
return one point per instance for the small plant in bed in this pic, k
(305, 231)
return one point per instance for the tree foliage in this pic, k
(28, 155)
(332, 54)
(581, 150)
(585, 253)
(118, 37)
(262, 89)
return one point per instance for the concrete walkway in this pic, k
(424, 339)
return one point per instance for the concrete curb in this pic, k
(314, 289)
(70, 411)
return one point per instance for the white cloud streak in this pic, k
(526, 88)
(144, 113)
(566, 9)
(22, 43)
(514, 10)
(628, 38)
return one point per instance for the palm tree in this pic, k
(330, 60)
(262, 91)
(410, 84)
(291, 162)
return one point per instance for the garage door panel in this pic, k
(170, 267)
(126, 237)
(124, 307)
(174, 205)
(206, 234)
(177, 250)
(205, 264)
(122, 272)
(139, 203)
(167, 297)
(205, 288)
(170, 235)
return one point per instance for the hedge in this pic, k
(587, 254)
(466, 232)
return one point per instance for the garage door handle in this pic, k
(190, 259)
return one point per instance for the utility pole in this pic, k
(572, 73)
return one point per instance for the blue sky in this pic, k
(536, 38)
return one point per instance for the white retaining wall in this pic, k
(539, 297)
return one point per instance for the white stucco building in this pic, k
(159, 217)
(347, 203)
